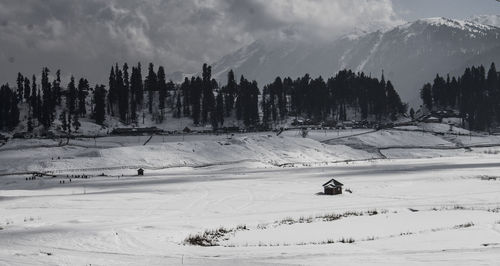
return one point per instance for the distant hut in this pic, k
(333, 187)
(138, 131)
(431, 119)
(140, 171)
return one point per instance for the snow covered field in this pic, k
(417, 198)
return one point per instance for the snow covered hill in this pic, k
(409, 54)
(125, 154)
(230, 194)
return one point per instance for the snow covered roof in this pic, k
(333, 183)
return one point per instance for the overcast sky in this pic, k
(84, 37)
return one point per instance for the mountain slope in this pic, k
(492, 20)
(410, 54)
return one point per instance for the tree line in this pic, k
(320, 100)
(131, 98)
(475, 95)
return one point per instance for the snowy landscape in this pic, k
(256, 132)
(415, 197)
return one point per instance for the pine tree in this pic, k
(9, 111)
(196, 93)
(230, 91)
(253, 103)
(135, 90)
(186, 96)
(426, 95)
(394, 104)
(71, 97)
(14, 112)
(56, 85)
(287, 90)
(121, 94)
(247, 102)
(29, 124)
(112, 95)
(272, 98)
(265, 106)
(34, 97)
(76, 123)
(279, 90)
(99, 114)
(140, 87)
(380, 99)
(48, 104)
(219, 108)
(69, 125)
(64, 122)
(4, 106)
(493, 88)
(208, 99)
(178, 106)
(27, 90)
(162, 87)
(83, 90)
(123, 84)
(151, 84)
(20, 86)
(438, 91)
(39, 105)
(240, 98)
(170, 90)
(317, 99)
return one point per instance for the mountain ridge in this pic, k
(409, 54)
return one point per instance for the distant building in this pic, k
(432, 119)
(232, 129)
(20, 135)
(495, 131)
(136, 131)
(140, 171)
(333, 187)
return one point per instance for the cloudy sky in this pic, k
(84, 37)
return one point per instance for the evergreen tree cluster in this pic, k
(199, 98)
(331, 100)
(475, 95)
(43, 100)
(9, 112)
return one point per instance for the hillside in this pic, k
(112, 154)
(412, 194)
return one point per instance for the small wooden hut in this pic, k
(333, 187)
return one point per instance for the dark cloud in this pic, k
(86, 37)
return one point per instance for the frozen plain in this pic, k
(418, 198)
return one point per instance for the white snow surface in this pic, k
(492, 20)
(437, 203)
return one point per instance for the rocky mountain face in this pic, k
(409, 55)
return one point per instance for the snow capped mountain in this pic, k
(409, 54)
(492, 20)
(465, 25)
